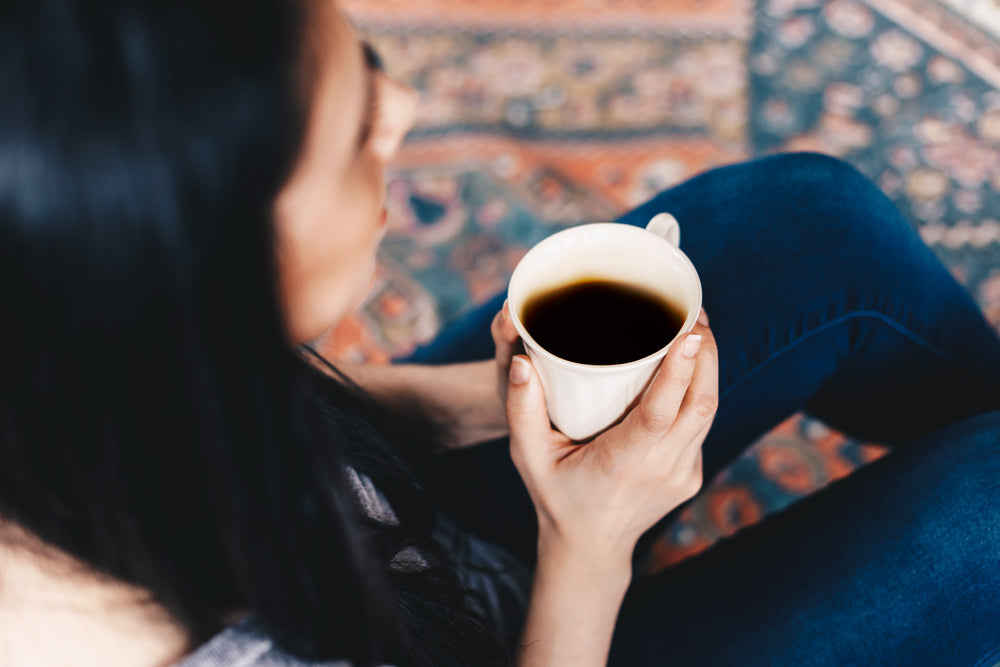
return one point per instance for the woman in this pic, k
(190, 192)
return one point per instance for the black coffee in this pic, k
(601, 322)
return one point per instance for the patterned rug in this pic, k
(540, 115)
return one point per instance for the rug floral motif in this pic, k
(536, 116)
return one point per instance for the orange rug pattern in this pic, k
(538, 114)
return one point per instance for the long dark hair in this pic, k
(155, 421)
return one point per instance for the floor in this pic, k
(538, 114)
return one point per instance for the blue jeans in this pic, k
(823, 299)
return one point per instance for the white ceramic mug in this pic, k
(584, 399)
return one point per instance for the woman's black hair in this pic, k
(155, 421)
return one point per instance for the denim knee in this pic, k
(798, 227)
(826, 218)
(825, 204)
(784, 203)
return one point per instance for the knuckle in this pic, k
(652, 419)
(708, 341)
(705, 406)
(708, 345)
(676, 383)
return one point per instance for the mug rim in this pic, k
(689, 321)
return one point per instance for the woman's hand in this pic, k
(507, 342)
(597, 499)
(594, 500)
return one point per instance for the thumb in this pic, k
(526, 410)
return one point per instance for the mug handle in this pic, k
(665, 225)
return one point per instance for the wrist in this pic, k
(608, 563)
(575, 600)
(461, 398)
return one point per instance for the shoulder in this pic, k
(246, 645)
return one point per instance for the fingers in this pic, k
(527, 414)
(696, 414)
(504, 337)
(502, 328)
(659, 407)
(701, 401)
(505, 340)
(683, 397)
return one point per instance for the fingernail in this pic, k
(691, 346)
(519, 371)
(703, 318)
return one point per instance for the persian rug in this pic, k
(539, 115)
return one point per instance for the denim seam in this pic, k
(992, 658)
(826, 325)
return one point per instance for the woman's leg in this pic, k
(822, 297)
(468, 338)
(898, 564)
